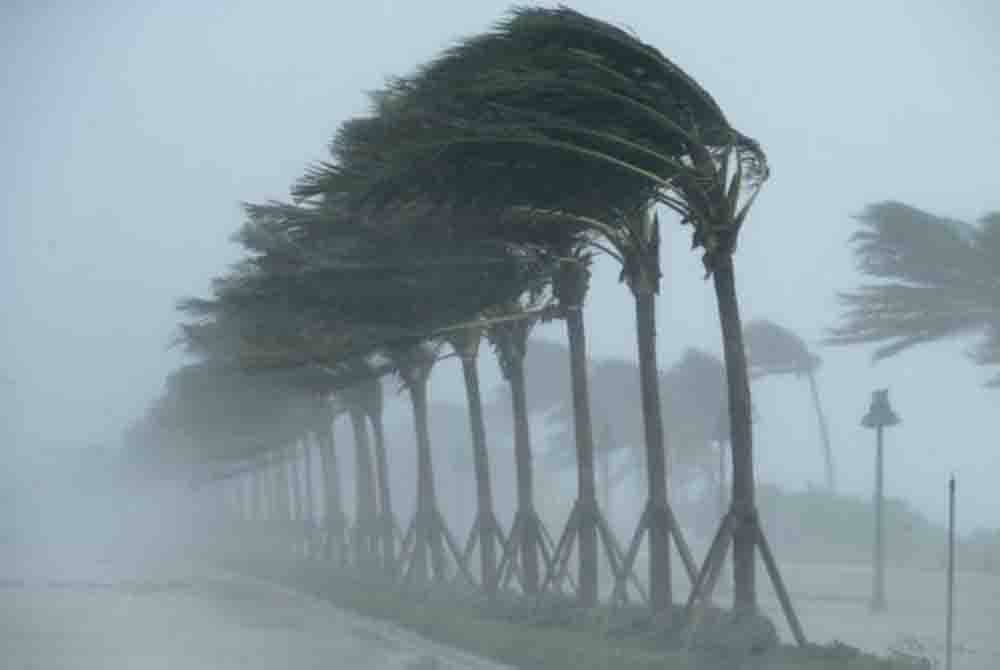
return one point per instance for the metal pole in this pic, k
(951, 573)
(878, 603)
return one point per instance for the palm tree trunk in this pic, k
(824, 433)
(273, 511)
(660, 591)
(254, 511)
(365, 505)
(481, 461)
(385, 495)
(292, 466)
(294, 458)
(292, 469)
(333, 502)
(281, 487)
(525, 476)
(427, 531)
(584, 432)
(307, 476)
(741, 440)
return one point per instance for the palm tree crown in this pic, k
(936, 278)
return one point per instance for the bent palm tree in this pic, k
(774, 350)
(509, 340)
(486, 532)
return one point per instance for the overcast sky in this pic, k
(132, 131)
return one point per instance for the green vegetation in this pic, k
(577, 643)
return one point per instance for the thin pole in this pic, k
(878, 603)
(950, 625)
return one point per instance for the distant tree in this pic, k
(692, 393)
(774, 350)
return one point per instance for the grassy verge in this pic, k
(578, 645)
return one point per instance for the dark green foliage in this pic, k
(388, 284)
(553, 112)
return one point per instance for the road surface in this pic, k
(147, 614)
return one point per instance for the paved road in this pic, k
(832, 604)
(147, 614)
(832, 601)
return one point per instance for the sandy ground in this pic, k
(148, 615)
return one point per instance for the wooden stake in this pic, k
(779, 587)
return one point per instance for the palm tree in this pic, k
(774, 350)
(934, 278)
(509, 339)
(366, 537)
(486, 531)
(570, 288)
(335, 521)
(494, 123)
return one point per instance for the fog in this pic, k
(132, 131)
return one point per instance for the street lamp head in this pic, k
(880, 413)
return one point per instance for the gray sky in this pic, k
(132, 130)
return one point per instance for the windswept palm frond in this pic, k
(939, 279)
(552, 111)
(221, 413)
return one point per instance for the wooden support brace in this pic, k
(682, 546)
(779, 587)
(456, 553)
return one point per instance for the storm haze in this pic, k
(133, 131)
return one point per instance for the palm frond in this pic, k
(938, 279)
(551, 111)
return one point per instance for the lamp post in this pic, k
(879, 416)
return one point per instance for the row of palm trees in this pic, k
(468, 202)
